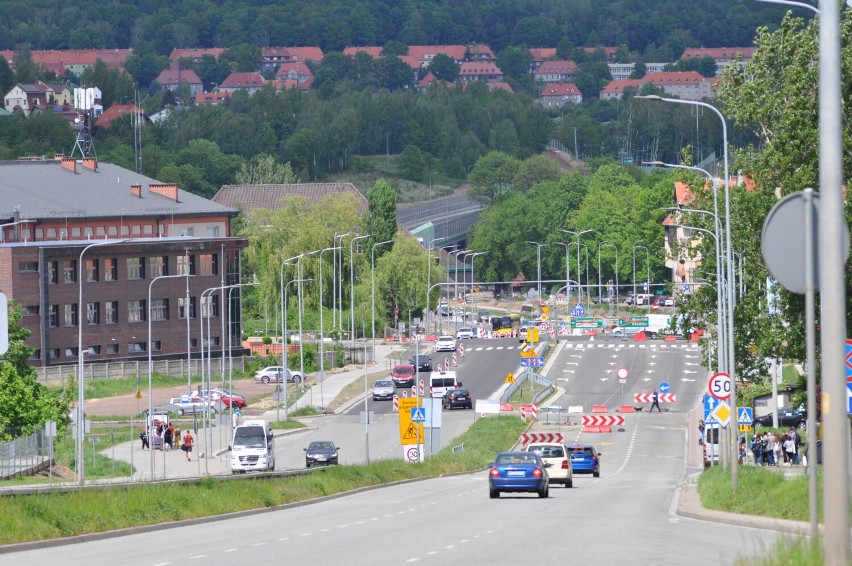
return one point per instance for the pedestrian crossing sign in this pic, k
(745, 416)
(418, 415)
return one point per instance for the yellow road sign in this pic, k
(528, 353)
(409, 432)
(545, 309)
(745, 428)
(510, 378)
(138, 394)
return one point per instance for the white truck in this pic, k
(657, 325)
(252, 447)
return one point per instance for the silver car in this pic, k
(276, 374)
(383, 389)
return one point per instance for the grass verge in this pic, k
(39, 517)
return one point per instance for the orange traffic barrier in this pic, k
(626, 409)
(696, 336)
(640, 337)
(670, 338)
(599, 409)
(605, 428)
(590, 428)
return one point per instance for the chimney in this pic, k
(136, 190)
(58, 156)
(168, 191)
(69, 163)
(90, 163)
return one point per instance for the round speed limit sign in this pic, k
(720, 386)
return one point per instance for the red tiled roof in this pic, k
(177, 76)
(212, 97)
(618, 85)
(476, 68)
(557, 68)
(542, 53)
(560, 89)
(115, 112)
(373, 51)
(243, 80)
(674, 78)
(195, 53)
(718, 53)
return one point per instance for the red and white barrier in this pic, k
(404, 394)
(439, 368)
(649, 397)
(455, 360)
(447, 363)
(461, 350)
(602, 420)
(600, 409)
(530, 437)
(422, 388)
(414, 391)
(395, 404)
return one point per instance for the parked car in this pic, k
(669, 302)
(321, 452)
(421, 362)
(383, 389)
(560, 470)
(193, 404)
(445, 343)
(164, 409)
(518, 472)
(402, 375)
(457, 398)
(276, 374)
(584, 459)
(786, 418)
(465, 333)
(228, 397)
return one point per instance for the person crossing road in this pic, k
(655, 402)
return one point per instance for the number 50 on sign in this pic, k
(720, 385)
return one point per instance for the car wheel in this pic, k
(307, 464)
(544, 493)
(264, 379)
(596, 473)
(493, 494)
(297, 378)
(179, 412)
(757, 424)
(569, 483)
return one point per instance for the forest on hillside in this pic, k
(657, 29)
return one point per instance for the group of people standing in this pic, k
(772, 449)
(166, 435)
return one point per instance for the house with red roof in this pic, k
(556, 72)
(249, 82)
(173, 77)
(686, 85)
(480, 71)
(118, 111)
(271, 58)
(296, 73)
(212, 98)
(724, 56)
(539, 56)
(195, 53)
(25, 98)
(76, 61)
(557, 95)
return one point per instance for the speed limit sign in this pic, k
(720, 385)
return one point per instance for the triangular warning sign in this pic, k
(411, 433)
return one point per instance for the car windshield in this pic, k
(445, 338)
(403, 370)
(580, 451)
(383, 384)
(249, 437)
(321, 447)
(505, 459)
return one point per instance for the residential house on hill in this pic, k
(117, 111)
(556, 95)
(75, 61)
(172, 78)
(25, 98)
(687, 85)
(249, 82)
(480, 71)
(212, 98)
(614, 90)
(723, 55)
(556, 72)
(271, 58)
(539, 56)
(297, 72)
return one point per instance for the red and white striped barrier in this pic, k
(531, 409)
(600, 409)
(395, 404)
(602, 420)
(414, 391)
(439, 368)
(530, 437)
(649, 397)
(404, 394)
(461, 350)
(447, 363)
(422, 388)
(455, 360)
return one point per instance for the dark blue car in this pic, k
(518, 472)
(585, 459)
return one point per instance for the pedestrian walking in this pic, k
(655, 402)
(701, 429)
(143, 436)
(769, 448)
(187, 445)
(168, 437)
(757, 449)
(790, 450)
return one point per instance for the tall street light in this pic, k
(429, 275)
(577, 234)
(633, 250)
(151, 362)
(472, 278)
(284, 340)
(373, 291)
(81, 383)
(334, 261)
(614, 247)
(455, 255)
(352, 287)
(538, 265)
(735, 474)
(322, 328)
(301, 308)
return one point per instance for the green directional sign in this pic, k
(633, 322)
(586, 322)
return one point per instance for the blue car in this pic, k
(585, 459)
(518, 472)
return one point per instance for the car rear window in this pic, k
(548, 451)
(443, 382)
(580, 451)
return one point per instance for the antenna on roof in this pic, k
(84, 102)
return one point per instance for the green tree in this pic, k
(265, 170)
(515, 62)
(444, 68)
(535, 170)
(380, 220)
(492, 176)
(411, 163)
(394, 73)
(241, 58)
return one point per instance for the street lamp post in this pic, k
(334, 279)
(284, 340)
(429, 275)
(456, 255)
(81, 382)
(301, 308)
(538, 265)
(615, 248)
(472, 279)
(322, 328)
(647, 283)
(352, 287)
(151, 364)
(373, 291)
(577, 234)
(833, 183)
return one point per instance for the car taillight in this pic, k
(564, 464)
(537, 473)
(495, 473)
(594, 458)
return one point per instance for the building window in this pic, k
(212, 231)
(135, 311)
(111, 269)
(111, 312)
(137, 230)
(182, 304)
(75, 232)
(211, 342)
(100, 231)
(91, 270)
(53, 272)
(208, 264)
(36, 355)
(159, 309)
(135, 268)
(53, 316)
(210, 306)
(189, 231)
(136, 347)
(193, 343)
(69, 271)
(186, 265)
(93, 313)
(125, 230)
(53, 353)
(71, 352)
(93, 350)
(26, 266)
(30, 310)
(51, 235)
(112, 349)
(158, 265)
(156, 346)
(71, 314)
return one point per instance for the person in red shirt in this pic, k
(187, 445)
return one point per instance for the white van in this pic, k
(252, 448)
(440, 382)
(711, 444)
